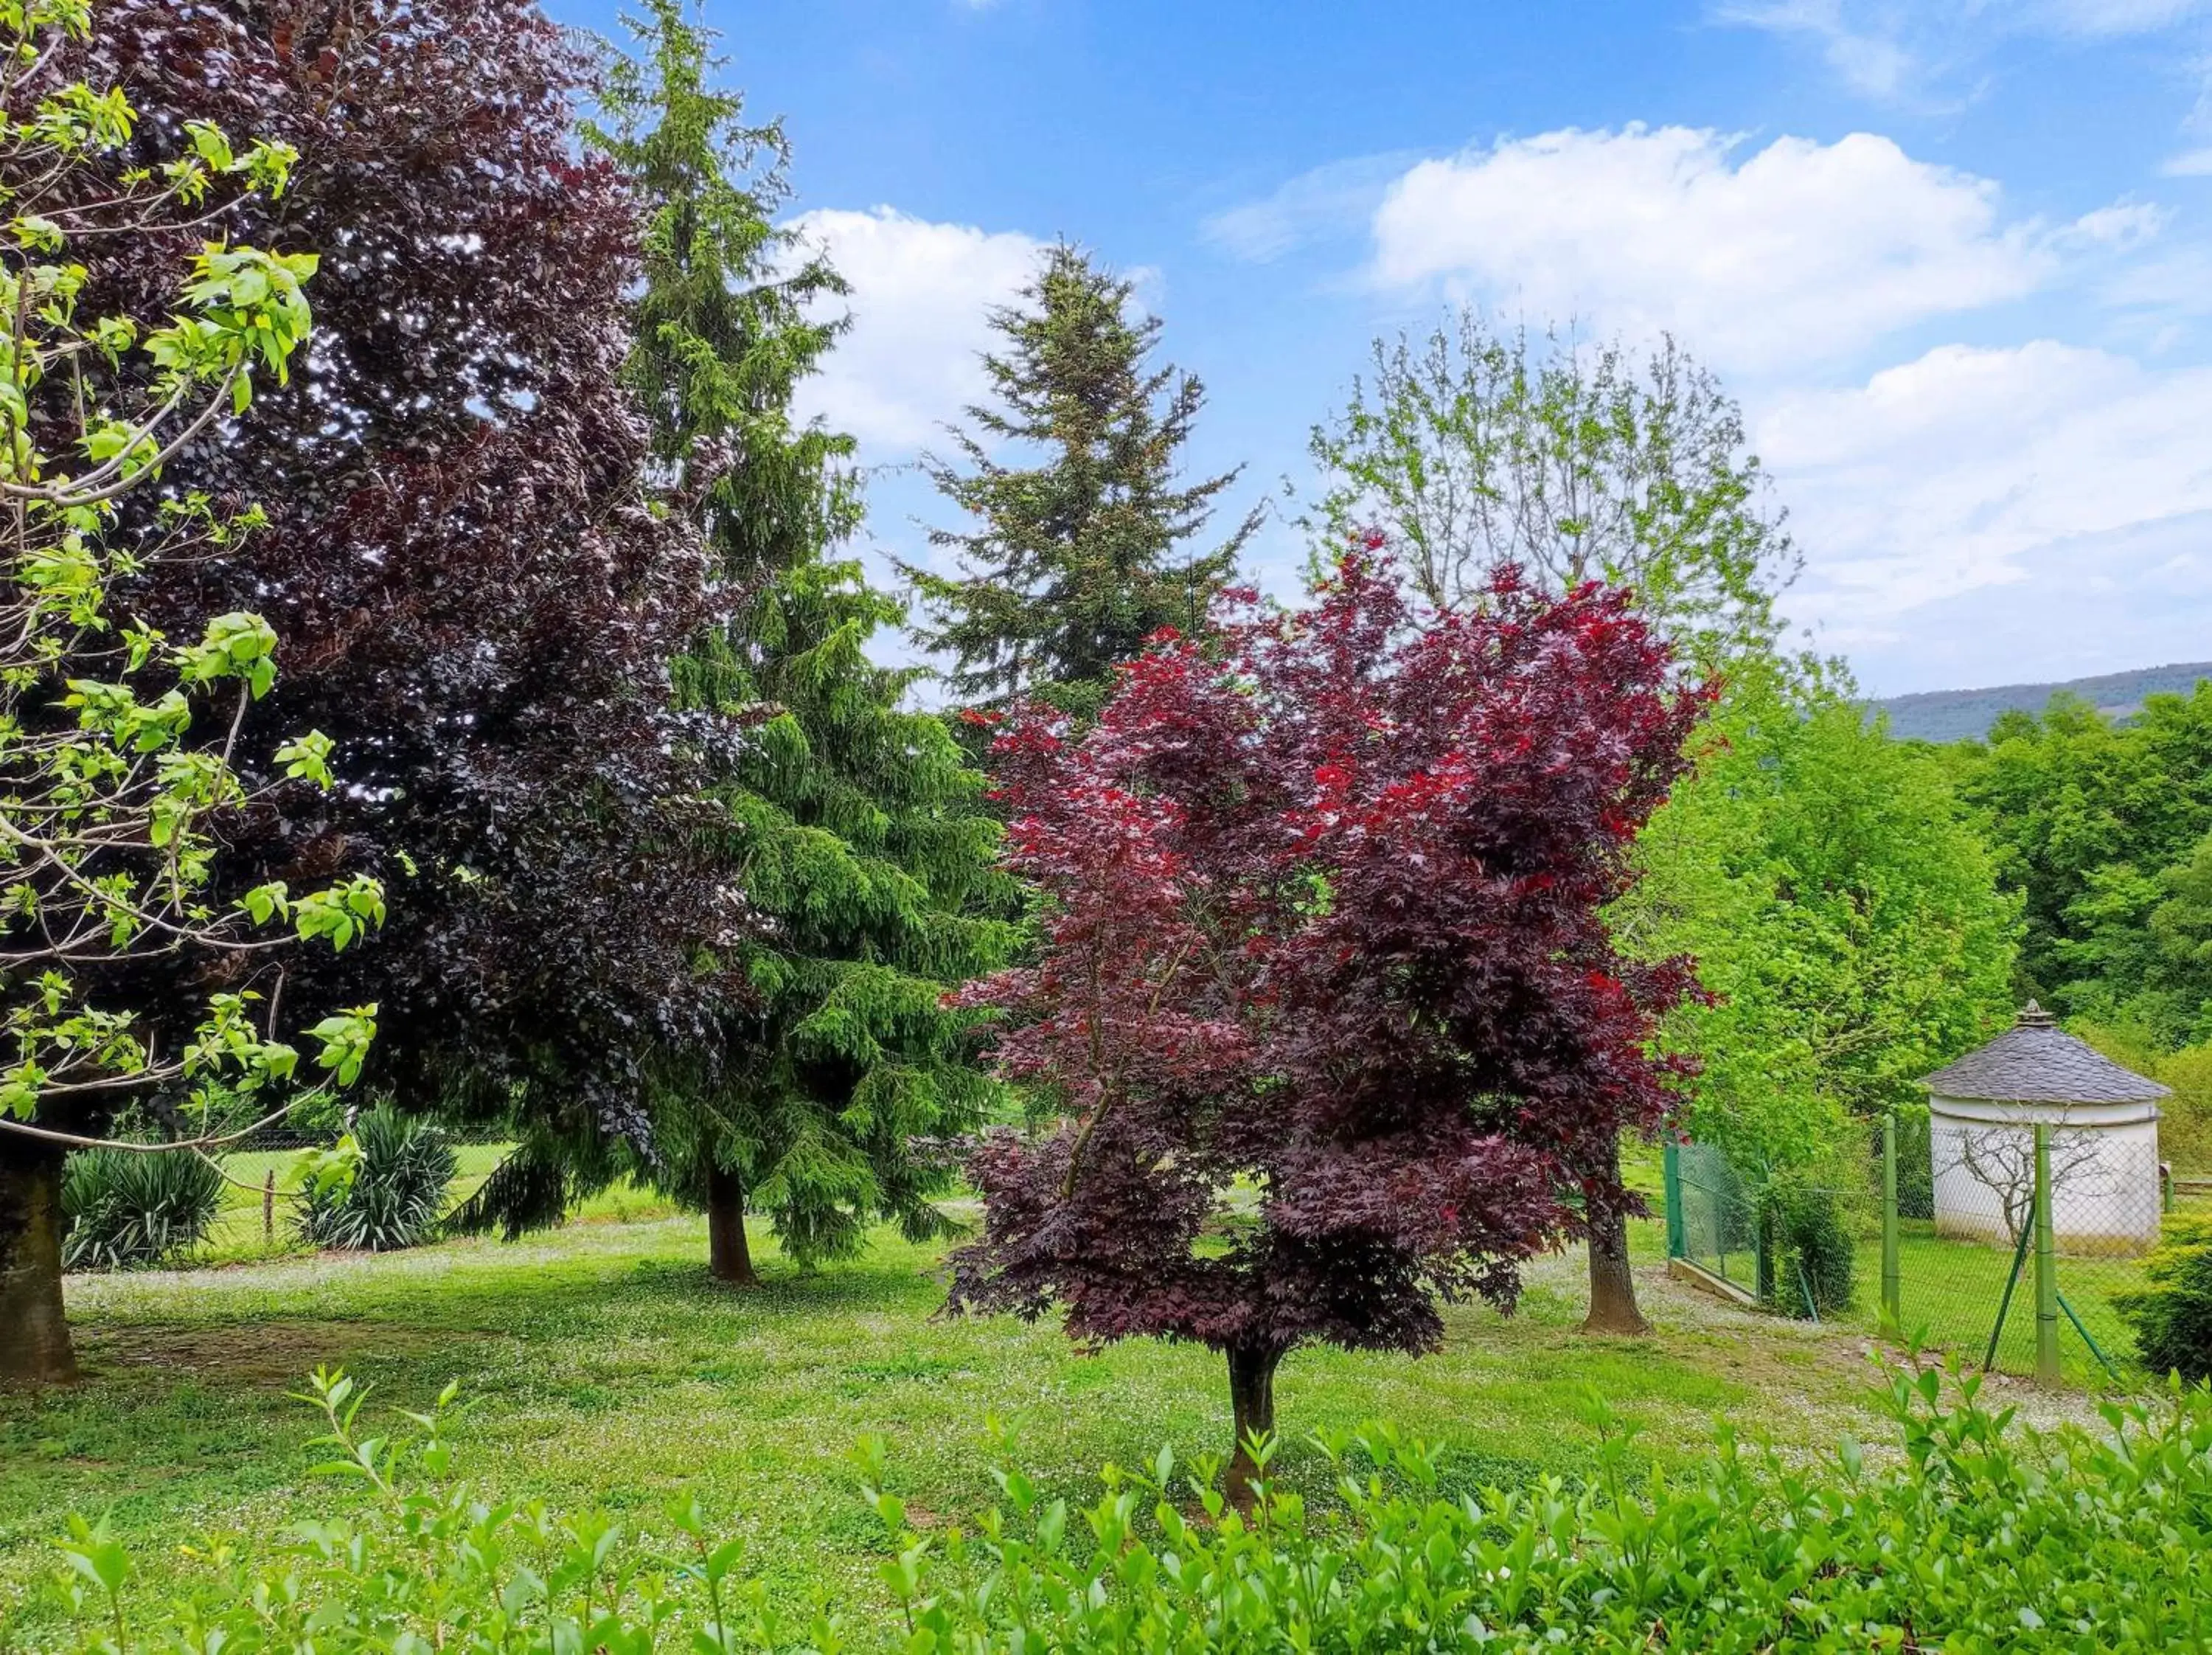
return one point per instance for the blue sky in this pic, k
(1955, 259)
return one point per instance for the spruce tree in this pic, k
(1072, 564)
(854, 826)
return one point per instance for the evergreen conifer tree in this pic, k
(1072, 564)
(854, 828)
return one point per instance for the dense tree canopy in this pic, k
(1578, 462)
(481, 599)
(2097, 824)
(1325, 988)
(854, 828)
(1070, 563)
(1846, 919)
(2141, 953)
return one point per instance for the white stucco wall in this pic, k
(2104, 1165)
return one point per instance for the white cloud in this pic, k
(1872, 60)
(2177, 282)
(1342, 195)
(2137, 596)
(2016, 482)
(1974, 514)
(1762, 262)
(1898, 50)
(922, 294)
(2190, 163)
(2120, 228)
(2113, 16)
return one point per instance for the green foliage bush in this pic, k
(1810, 1249)
(397, 1195)
(1916, 1161)
(1973, 1535)
(2172, 1316)
(2185, 1126)
(1849, 923)
(122, 1208)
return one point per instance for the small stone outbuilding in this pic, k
(1982, 1112)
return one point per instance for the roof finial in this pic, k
(2032, 1016)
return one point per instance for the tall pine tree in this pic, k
(1072, 564)
(854, 828)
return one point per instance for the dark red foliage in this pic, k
(473, 598)
(1325, 987)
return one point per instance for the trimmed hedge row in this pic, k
(1979, 1535)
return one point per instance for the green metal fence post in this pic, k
(2004, 1303)
(2047, 1266)
(2095, 1349)
(1893, 1310)
(1677, 1241)
(1762, 1241)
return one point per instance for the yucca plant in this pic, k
(397, 1197)
(122, 1208)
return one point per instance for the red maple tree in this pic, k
(1324, 990)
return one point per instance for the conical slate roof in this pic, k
(2036, 1062)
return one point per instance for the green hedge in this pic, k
(2171, 1312)
(1973, 1535)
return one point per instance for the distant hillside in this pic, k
(1955, 715)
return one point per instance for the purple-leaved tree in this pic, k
(1323, 990)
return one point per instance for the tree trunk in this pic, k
(1252, 1403)
(729, 1258)
(34, 1336)
(1612, 1286)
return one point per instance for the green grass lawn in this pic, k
(1953, 1289)
(603, 1367)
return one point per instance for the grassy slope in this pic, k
(604, 1368)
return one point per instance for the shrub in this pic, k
(1979, 1535)
(2172, 1316)
(396, 1197)
(1916, 1162)
(2184, 1132)
(1808, 1248)
(122, 1208)
(2184, 1126)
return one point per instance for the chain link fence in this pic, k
(2002, 1243)
(1788, 1245)
(2036, 1223)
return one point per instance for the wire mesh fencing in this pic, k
(2038, 1224)
(1790, 1246)
(2007, 1244)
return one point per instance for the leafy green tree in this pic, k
(1577, 462)
(2141, 951)
(1074, 562)
(2084, 813)
(853, 824)
(1847, 920)
(114, 796)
